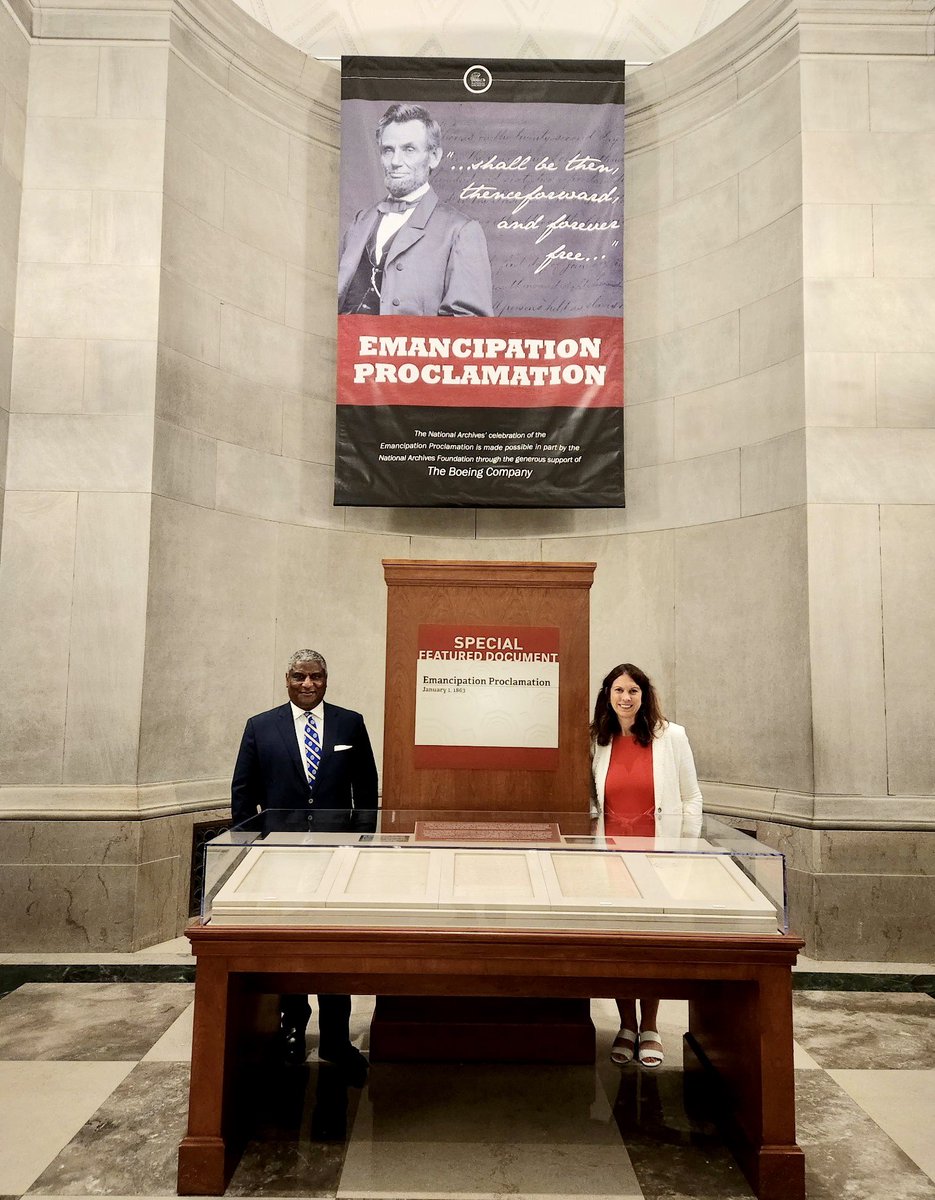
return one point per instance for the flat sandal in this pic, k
(624, 1047)
(651, 1060)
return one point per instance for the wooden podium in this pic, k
(477, 596)
(536, 604)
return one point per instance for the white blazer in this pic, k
(675, 783)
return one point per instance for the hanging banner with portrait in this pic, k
(480, 284)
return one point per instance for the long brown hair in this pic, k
(649, 719)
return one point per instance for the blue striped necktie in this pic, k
(312, 748)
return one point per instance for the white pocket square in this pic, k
(344, 747)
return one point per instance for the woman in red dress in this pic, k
(645, 784)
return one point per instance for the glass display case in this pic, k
(483, 870)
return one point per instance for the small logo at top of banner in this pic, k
(477, 79)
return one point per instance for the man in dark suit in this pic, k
(307, 765)
(411, 254)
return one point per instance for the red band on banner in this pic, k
(480, 362)
(488, 758)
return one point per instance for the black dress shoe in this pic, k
(292, 1045)
(349, 1061)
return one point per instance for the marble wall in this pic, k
(868, 136)
(14, 65)
(169, 535)
(869, 220)
(94, 885)
(80, 454)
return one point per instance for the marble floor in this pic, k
(93, 1096)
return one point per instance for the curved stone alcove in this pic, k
(168, 533)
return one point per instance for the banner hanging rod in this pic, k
(338, 57)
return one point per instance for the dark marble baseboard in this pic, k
(861, 981)
(14, 975)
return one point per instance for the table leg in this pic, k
(203, 1152)
(781, 1162)
(743, 1032)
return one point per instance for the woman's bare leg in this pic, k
(649, 1014)
(627, 1011)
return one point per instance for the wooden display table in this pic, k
(739, 989)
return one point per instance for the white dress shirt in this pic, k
(393, 221)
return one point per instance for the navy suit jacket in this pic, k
(269, 773)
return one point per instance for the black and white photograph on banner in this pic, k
(493, 191)
(412, 254)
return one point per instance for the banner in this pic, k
(489, 191)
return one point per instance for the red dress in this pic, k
(629, 796)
